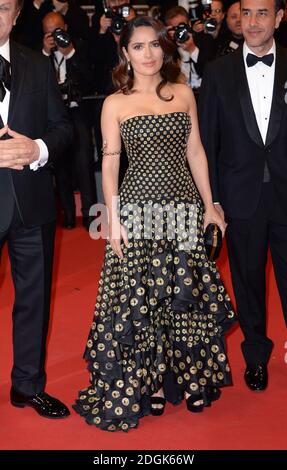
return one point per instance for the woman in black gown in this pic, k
(162, 309)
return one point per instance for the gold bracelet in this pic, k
(111, 154)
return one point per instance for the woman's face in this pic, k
(144, 51)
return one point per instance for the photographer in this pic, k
(105, 57)
(75, 17)
(210, 9)
(234, 36)
(99, 17)
(195, 50)
(105, 44)
(73, 75)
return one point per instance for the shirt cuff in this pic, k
(70, 55)
(194, 55)
(44, 155)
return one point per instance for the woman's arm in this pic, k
(111, 152)
(110, 171)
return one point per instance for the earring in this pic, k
(129, 66)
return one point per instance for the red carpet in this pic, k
(241, 419)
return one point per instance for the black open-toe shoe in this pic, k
(191, 406)
(157, 401)
(213, 393)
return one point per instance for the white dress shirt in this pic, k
(187, 67)
(260, 79)
(60, 64)
(185, 4)
(4, 110)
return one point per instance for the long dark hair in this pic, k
(123, 78)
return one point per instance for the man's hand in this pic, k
(17, 152)
(48, 43)
(198, 27)
(105, 23)
(66, 50)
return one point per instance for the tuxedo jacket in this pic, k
(231, 137)
(36, 110)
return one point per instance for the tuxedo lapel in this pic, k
(245, 99)
(278, 100)
(18, 63)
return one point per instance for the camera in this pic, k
(182, 32)
(70, 91)
(118, 16)
(200, 10)
(61, 38)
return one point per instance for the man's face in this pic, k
(8, 14)
(117, 3)
(217, 11)
(60, 6)
(258, 22)
(52, 23)
(233, 19)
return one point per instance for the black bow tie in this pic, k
(252, 59)
(5, 77)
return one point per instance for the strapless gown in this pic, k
(161, 311)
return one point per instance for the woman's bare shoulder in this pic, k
(182, 89)
(184, 95)
(114, 100)
(114, 103)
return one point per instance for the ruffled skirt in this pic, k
(161, 312)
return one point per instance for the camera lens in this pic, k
(210, 25)
(117, 25)
(182, 32)
(61, 38)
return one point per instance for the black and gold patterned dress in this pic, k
(163, 307)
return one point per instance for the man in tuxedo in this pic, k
(243, 118)
(34, 130)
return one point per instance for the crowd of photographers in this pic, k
(83, 51)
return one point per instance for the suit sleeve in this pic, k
(209, 126)
(58, 133)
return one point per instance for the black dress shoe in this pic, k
(44, 404)
(256, 377)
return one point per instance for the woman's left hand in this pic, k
(212, 216)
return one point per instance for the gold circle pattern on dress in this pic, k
(162, 308)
